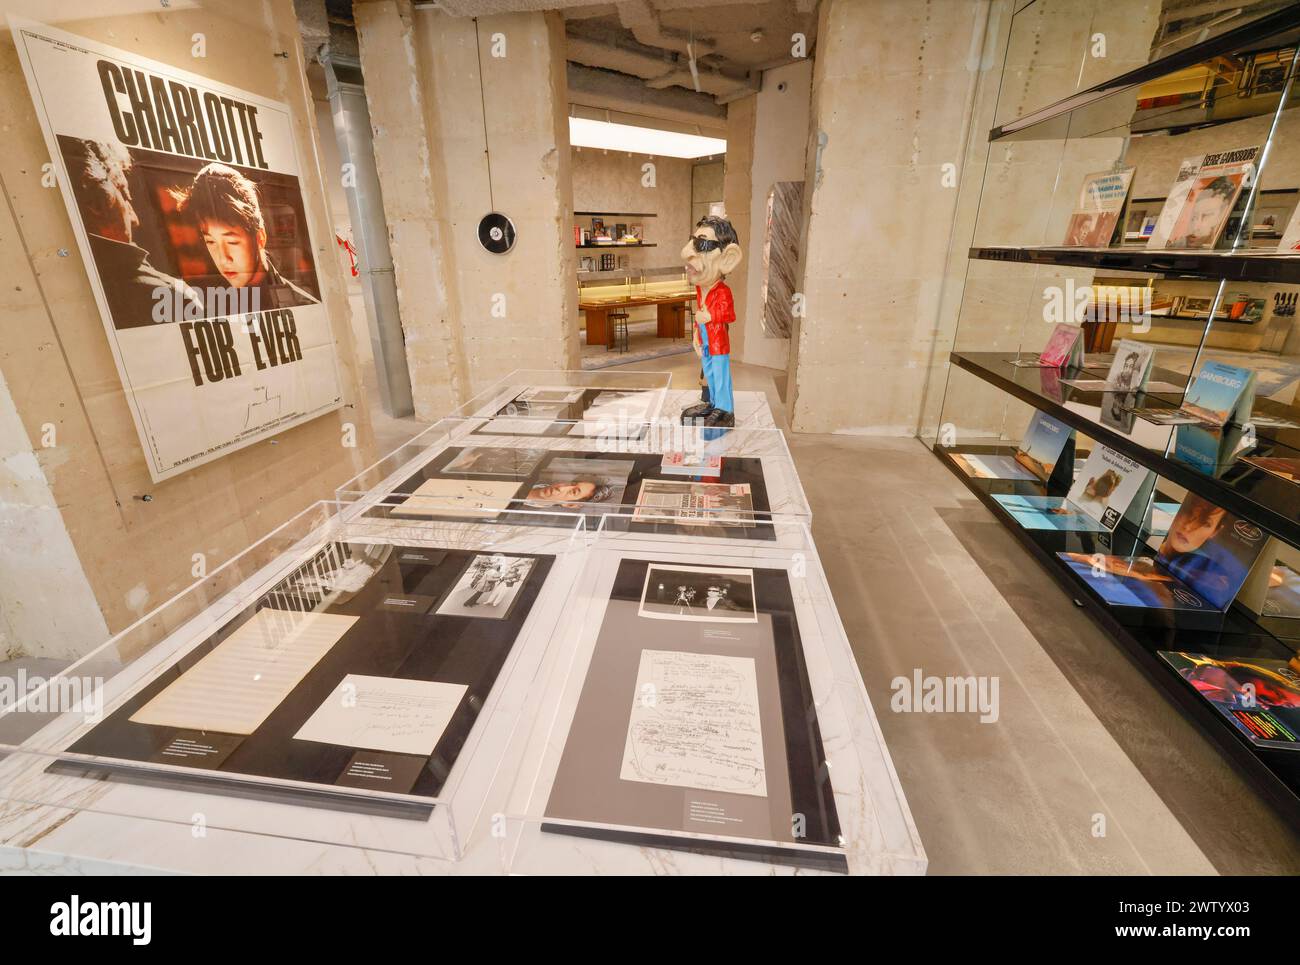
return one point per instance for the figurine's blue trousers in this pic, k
(717, 372)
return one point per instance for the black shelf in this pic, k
(1142, 634)
(1271, 31)
(615, 214)
(1269, 501)
(1245, 265)
(615, 244)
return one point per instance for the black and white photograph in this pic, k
(495, 461)
(488, 587)
(699, 593)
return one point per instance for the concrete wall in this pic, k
(708, 180)
(737, 198)
(886, 278)
(892, 85)
(460, 132)
(780, 154)
(110, 556)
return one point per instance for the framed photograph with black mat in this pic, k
(354, 683)
(695, 727)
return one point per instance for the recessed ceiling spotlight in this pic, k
(756, 36)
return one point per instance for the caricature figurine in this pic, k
(712, 253)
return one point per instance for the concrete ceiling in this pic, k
(654, 40)
(714, 48)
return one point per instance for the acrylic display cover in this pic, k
(595, 484)
(696, 717)
(563, 411)
(1260, 696)
(1048, 512)
(1045, 439)
(1101, 199)
(1107, 485)
(364, 669)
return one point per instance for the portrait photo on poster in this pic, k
(219, 239)
(488, 588)
(698, 593)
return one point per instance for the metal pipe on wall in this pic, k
(366, 209)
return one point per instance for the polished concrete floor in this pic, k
(1088, 769)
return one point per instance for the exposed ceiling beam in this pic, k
(612, 91)
(641, 17)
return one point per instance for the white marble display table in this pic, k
(487, 819)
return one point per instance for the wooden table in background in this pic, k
(671, 308)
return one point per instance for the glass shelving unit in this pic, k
(1169, 90)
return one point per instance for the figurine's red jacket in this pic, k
(722, 312)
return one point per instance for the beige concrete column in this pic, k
(737, 191)
(889, 96)
(470, 116)
(402, 118)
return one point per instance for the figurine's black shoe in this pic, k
(720, 417)
(698, 411)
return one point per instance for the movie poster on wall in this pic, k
(186, 199)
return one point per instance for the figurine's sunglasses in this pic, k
(704, 244)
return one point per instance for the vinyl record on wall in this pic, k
(496, 233)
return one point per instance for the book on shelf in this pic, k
(1044, 442)
(1101, 200)
(1110, 486)
(1208, 449)
(1260, 696)
(1128, 372)
(1218, 395)
(1064, 349)
(1048, 512)
(1046, 451)
(1211, 206)
(1174, 202)
(1202, 563)
(1284, 467)
(1282, 599)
